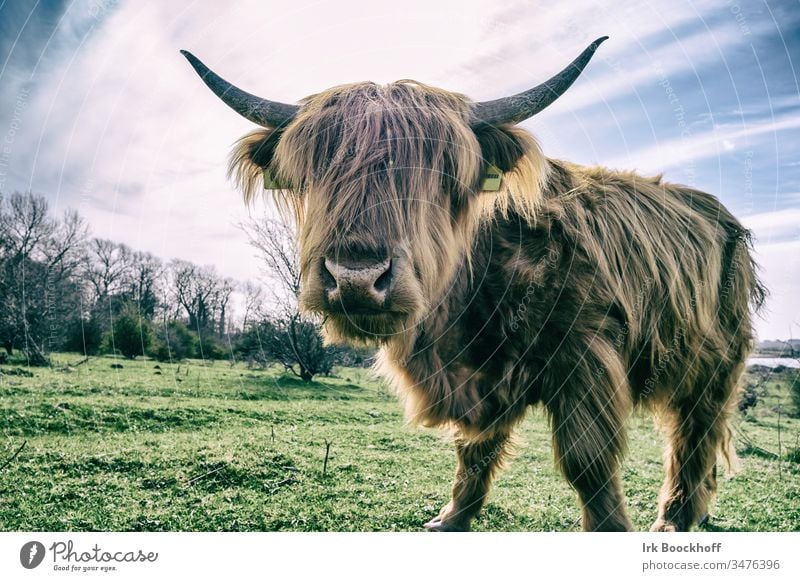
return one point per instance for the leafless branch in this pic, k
(13, 456)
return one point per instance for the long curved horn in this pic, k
(523, 105)
(260, 111)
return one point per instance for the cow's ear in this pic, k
(513, 167)
(251, 164)
(500, 147)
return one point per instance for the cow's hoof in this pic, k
(447, 521)
(664, 526)
(443, 526)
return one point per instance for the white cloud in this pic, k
(774, 227)
(777, 246)
(696, 146)
(780, 265)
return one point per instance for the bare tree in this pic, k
(253, 303)
(25, 225)
(221, 300)
(106, 267)
(276, 244)
(143, 282)
(283, 334)
(203, 295)
(63, 249)
(38, 260)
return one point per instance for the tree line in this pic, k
(62, 289)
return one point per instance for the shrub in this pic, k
(748, 398)
(131, 334)
(250, 347)
(291, 341)
(176, 342)
(794, 389)
(209, 347)
(84, 336)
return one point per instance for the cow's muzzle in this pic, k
(357, 286)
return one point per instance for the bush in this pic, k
(748, 398)
(291, 341)
(250, 347)
(176, 342)
(209, 347)
(794, 390)
(131, 334)
(84, 336)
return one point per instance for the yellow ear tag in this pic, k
(270, 181)
(491, 178)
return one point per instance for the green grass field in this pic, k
(210, 447)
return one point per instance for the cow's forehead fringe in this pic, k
(355, 127)
(402, 93)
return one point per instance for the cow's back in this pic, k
(660, 272)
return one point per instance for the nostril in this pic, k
(382, 283)
(328, 280)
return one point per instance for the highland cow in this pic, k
(495, 279)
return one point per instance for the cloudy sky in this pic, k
(99, 112)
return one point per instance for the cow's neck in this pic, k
(441, 363)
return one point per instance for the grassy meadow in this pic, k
(214, 447)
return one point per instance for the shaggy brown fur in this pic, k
(581, 289)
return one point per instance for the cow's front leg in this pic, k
(477, 464)
(588, 414)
